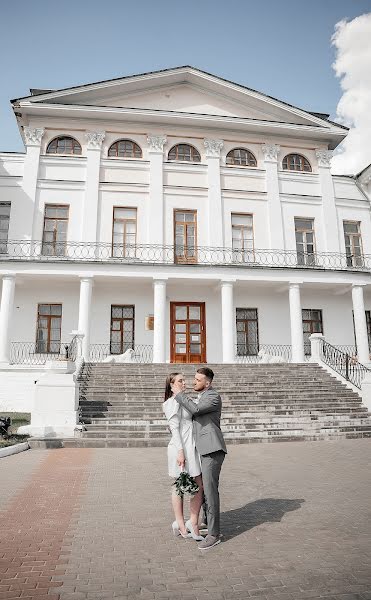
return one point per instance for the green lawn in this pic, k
(18, 419)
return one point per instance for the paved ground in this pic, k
(95, 525)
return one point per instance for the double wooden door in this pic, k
(188, 332)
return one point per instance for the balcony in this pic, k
(149, 254)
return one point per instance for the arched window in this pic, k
(296, 162)
(64, 145)
(241, 158)
(125, 149)
(184, 152)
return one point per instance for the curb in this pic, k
(9, 450)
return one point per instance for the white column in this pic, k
(275, 224)
(296, 322)
(155, 223)
(6, 310)
(159, 312)
(26, 211)
(360, 324)
(215, 206)
(86, 286)
(89, 224)
(329, 212)
(228, 321)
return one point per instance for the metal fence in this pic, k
(170, 254)
(29, 353)
(343, 363)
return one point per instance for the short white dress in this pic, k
(181, 428)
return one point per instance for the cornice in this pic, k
(125, 164)
(247, 172)
(298, 177)
(53, 184)
(71, 161)
(153, 115)
(184, 167)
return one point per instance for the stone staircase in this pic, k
(121, 404)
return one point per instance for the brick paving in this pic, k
(296, 525)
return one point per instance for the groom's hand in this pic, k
(176, 387)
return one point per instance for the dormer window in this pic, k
(240, 157)
(184, 153)
(64, 145)
(125, 149)
(296, 162)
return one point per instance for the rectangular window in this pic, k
(368, 324)
(55, 230)
(353, 243)
(4, 226)
(124, 232)
(247, 331)
(312, 323)
(185, 234)
(122, 328)
(48, 334)
(242, 237)
(305, 243)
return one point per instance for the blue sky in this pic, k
(281, 48)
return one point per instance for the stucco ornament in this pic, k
(156, 142)
(33, 135)
(324, 158)
(270, 151)
(95, 139)
(213, 147)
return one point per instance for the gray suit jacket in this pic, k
(206, 420)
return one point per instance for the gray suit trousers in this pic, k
(211, 465)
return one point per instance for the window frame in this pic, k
(248, 253)
(125, 157)
(5, 219)
(307, 345)
(55, 242)
(48, 317)
(177, 160)
(309, 258)
(241, 165)
(132, 247)
(302, 158)
(351, 259)
(245, 351)
(185, 259)
(64, 137)
(121, 319)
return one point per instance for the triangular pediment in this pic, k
(181, 90)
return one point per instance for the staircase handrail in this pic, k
(343, 363)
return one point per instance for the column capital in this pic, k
(95, 139)
(162, 281)
(33, 135)
(213, 147)
(8, 276)
(227, 282)
(156, 143)
(295, 284)
(358, 285)
(87, 279)
(324, 158)
(271, 152)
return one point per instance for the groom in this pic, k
(210, 445)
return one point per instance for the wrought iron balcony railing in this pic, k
(152, 254)
(345, 364)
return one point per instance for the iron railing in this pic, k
(28, 353)
(160, 254)
(253, 353)
(343, 363)
(141, 353)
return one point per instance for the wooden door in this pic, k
(188, 332)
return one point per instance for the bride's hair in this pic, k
(169, 380)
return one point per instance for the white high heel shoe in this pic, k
(177, 532)
(196, 537)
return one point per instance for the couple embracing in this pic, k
(196, 446)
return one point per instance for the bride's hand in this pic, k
(181, 459)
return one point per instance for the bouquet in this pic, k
(185, 484)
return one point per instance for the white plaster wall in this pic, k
(361, 214)
(347, 188)
(303, 184)
(117, 170)
(17, 389)
(62, 168)
(11, 165)
(185, 175)
(248, 179)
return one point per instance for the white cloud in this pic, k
(352, 65)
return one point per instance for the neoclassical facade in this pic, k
(183, 216)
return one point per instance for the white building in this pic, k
(181, 196)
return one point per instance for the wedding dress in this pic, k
(181, 428)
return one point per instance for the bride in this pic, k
(182, 455)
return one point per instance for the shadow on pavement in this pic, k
(265, 510)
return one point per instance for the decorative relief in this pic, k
(324, 158)
(33, 136)
(156, 142)
(213, 147)
(95, 139)
(270, 151)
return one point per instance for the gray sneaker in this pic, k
(209, 542)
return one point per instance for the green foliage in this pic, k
(185, 484)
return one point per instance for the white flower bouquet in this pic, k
(185, 484)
